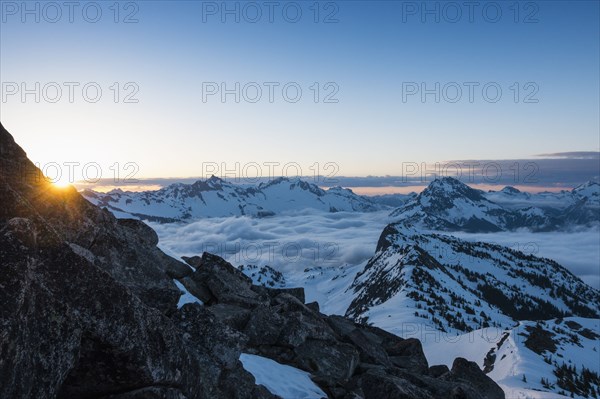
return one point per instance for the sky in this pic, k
(347, 88)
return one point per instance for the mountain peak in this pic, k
(589, 186)
(510, 190)
(452, 187)
(214, 178)
(447, 183)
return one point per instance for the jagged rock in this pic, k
(375, 383)
(438, 370)
(288, 323)
(264, 327)
(314, 306)
(199, 290)
(226, 283)
(380, 347)
(407, 354)
(126, 250)
(69, 330)
(369, 351)
(330, 362)
(193, 261)
(234, 316)
(295, 292)
(206, 331)
(150, 393)
(470, 375)
(241, 385)
(274, 292)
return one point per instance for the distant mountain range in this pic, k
(539, 322)
(215, 197)
(445, 205)
(450, 205)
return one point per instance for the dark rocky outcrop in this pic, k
(89, 310)
(89, 307)
(348, 360)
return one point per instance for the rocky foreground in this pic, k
(89, 310)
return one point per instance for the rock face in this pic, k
(89, 310)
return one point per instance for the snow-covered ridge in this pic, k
(459, 286)
(217, 198)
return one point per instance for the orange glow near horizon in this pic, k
(368, 191)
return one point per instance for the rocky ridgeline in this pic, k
(89, 310)
(346, 359)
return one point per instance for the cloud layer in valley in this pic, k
(289, 242)
(577, 251)
(296, 241)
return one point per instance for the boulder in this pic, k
(329, 362)
(470, 375)
(226, 283)
(438, 370)
(232, 315)
(407, 354)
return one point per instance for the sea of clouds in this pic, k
(578, 251)
(289, 242)
(296, 241)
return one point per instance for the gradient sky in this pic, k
(372, 49)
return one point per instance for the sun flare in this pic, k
(61, 182)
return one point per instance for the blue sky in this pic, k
(370, 57)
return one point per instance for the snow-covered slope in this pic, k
(282, 380)
(459, 286)
(478, 300)
(586, 206)
(264, 275)
(547, 359)
(217, 198)
(450, 205)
